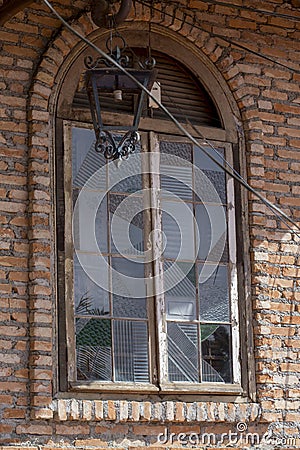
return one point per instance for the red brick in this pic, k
(31, 429)
(75, 430)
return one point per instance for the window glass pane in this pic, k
(218, 181)
(211, 221)
(181, 299)
(178, 228)
(176, 181)
(126, 177)
(172, 236)
(90, 223)
(93, 349)
(90, 298)
(129, 307)
(85, 160)
(216, 353)
(180, 149)
(126, 224)
(129, 185)
(111, 306)
(213, 172)
(131, 351)
(183, 352)
(204, 162)
(128, 278)
(214, 295)
(176, 175)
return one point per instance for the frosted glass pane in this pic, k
(90, 223)
(213, 172)
(183, 352)
(129, 307)
(216, 353)
(211, 221)
(214, 295)
(126, 224)
(172, 239)
(178, 227)
(181, 299)
(93, 349)
(171, 184)
(180, 149)
(176, 174)
(129, 185)
(131, 351)
(219, 182)
(128, 278)
(90, 298)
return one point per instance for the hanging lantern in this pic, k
(111, 80)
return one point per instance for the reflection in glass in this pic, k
(131, 351)
(93, 349)
(183, 352)
(214, 295)
(90, 298)
(216, 353)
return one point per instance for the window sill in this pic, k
(203, 388)
(93, 386)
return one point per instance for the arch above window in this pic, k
(214, 108)
(181, 93)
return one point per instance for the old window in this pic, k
(148, 262)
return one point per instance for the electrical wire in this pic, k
(251, 9)
(225, 39)
(270, 205)
(260, 55)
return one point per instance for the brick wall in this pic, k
(33, 49)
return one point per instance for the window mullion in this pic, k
(146, 181)
(157, 245)
(233, 272)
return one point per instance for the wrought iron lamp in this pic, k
(114, 141)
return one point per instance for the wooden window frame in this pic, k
(135, 388)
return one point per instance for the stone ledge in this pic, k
(146, 411)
